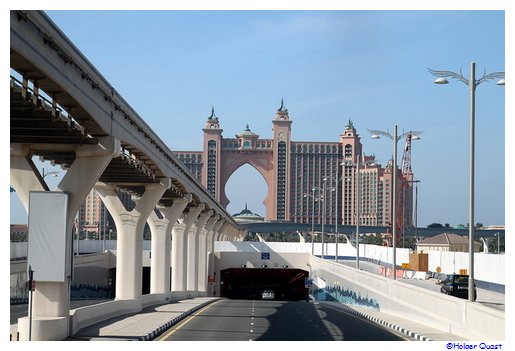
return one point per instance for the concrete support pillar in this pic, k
(219, 236)
(51, 300)
(211, 268)
(228, 233)
(203, 253)
(177, 257)
(193, 250)
(214, 236)
(242, 234)
(221, 231)
(235, 234)
(224, 233)
(211, 244)
(24, 175)
(129, 234)
(180, 249)
(158, 229)
(161, 229)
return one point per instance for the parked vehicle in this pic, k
(267, 295)
(457, 285)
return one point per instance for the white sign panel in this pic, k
(47, 235)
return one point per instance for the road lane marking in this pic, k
(184, 322)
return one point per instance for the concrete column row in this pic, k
(184, 232)
(181, 239)
(51, 299)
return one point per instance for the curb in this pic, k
(158, 331)
(395, 327)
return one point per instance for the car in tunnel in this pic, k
(285, 284)
(267, 295)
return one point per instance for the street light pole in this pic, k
(337, 202)
(394, 205)
(472, 88)
(472, 83)
(313, 221)
(415, 218)
(104, 219)
(395, 138)
(358, 214)
(323, 213)
(51, 173)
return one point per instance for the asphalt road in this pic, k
(244, 320)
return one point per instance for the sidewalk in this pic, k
(144, 325)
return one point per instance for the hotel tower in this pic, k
(306, 180)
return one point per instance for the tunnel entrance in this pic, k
(248, 283)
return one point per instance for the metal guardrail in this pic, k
(42, 101)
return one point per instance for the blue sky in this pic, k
(329, 66)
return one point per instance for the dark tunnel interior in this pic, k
(248, 283)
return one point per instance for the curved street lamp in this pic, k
(376, 134)
(472, 83)
(51, 173)
(313, 199)
(323, 201)
(357, 200)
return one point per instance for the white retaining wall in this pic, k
(457, 316)
(487, 267)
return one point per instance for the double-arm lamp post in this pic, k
(357, 202)
(472, 83)
(337, 180)
(51, 173)
(336, 190)
(324, 204)
(415, 221)
(376, 134)
(313, 199)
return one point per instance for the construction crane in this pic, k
(406, 156)
(405, 185)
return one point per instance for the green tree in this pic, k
(435, 225)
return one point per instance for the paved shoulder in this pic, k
(404, 326)
(144, 325)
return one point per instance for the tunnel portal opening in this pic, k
(288, 284)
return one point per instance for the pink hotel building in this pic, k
(292, 169)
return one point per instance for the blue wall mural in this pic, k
(346, 296)
(86, 291)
